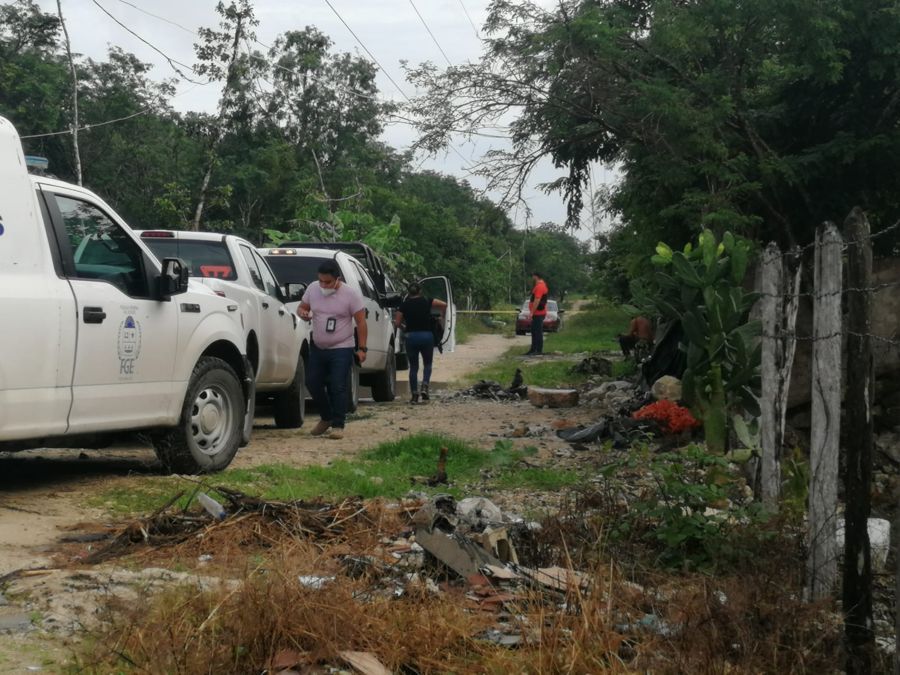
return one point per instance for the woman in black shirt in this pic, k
(416, 313)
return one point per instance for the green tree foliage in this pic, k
(294, 146)
(765, 117)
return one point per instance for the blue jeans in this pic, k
(537, 335)
(419, 342)
(326, 380)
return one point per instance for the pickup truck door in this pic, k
(439, 288)
(37, 309)
(378, 319)
(278, 360)
(125, 339)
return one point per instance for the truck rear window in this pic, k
(295, 269)
(204, 258)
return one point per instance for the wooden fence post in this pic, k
(770, 310)
(857, 591)
(826, 414)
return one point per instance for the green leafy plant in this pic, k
(687, 515)
(702, 288)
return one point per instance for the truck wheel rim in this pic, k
(211, 417)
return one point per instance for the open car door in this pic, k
(438, 288)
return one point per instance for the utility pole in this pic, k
(75, 121)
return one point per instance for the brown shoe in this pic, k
(336, 434)
(320, 428)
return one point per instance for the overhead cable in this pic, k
(433, 38)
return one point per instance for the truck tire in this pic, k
(289, 406)
(353, 388)
(384, 384)
(210, 426)
(250, 415)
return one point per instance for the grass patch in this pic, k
(537, 372)
(594, 328)
(383, 471)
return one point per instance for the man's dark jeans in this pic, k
(537, 334)
(326, 379)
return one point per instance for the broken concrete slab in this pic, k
(460, 554)
(496, 540)
(552, 398)
(556, 578)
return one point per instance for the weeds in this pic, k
(383, 471)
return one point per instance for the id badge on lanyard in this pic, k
(330, 324)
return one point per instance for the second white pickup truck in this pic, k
(99, 340)
(276, 339)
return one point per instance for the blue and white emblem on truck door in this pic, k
(129, 345)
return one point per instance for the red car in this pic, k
(552, 319)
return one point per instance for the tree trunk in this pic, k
(826, 414)
(857, 594)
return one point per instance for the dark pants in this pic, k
(537, 334)
(419, 342)
(326, 380)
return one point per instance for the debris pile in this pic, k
(594, 365)
(493, 390)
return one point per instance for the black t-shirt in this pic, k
(416, 314)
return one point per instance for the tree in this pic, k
(764, 117)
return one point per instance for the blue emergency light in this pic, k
(37, 163)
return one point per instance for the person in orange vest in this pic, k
(538, 308)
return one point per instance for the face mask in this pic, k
(327, 291)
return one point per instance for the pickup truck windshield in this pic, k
(294, 269)
(208, 259)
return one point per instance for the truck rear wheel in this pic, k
(289, 407)
(211, 423)
(384, 384)
(353, 388)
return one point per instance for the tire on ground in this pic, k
(384, 384)
(289, 408)
(353, 388)
(210, 425)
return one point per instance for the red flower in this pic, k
(671, 417)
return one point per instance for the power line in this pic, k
(469, 17)
(168, 58)
(366, 49)
(157, 16)
(88, 127)
(433, 38)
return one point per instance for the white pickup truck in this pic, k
(298, 263)
(99, 340)
(276, 339)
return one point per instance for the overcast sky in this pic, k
(390, 29)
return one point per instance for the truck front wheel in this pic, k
(210, 427)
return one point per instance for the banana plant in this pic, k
(702, 288)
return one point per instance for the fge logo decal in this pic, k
(129, 344)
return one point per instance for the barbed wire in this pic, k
(818, 296)
(798, 251)
(892, 341)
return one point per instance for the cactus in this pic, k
(701, 287)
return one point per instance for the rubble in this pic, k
(667, 388)
(552, 398)
(490, 389)
(594, 365)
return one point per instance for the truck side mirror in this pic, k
(174, 278)
(391, 299)
(293, 292)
